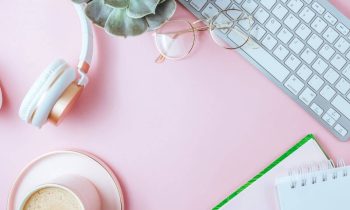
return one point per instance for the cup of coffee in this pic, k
(66, 193)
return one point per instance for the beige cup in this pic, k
(82, 193)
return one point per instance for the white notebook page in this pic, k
(324, 194)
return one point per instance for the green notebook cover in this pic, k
(268, 168)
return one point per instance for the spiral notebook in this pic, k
(317, 187)
(259, 192)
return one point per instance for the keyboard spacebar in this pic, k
(267, 61)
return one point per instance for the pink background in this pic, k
(180, 135)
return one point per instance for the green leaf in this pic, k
(98, 12)
(81, 1)
(164, 12)
(141, 8)
(117, 3)
(120, 24)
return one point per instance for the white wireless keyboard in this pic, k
(304, 49)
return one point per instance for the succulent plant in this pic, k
(128, 17)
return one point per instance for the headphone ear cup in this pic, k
(43, 82)
(50, 97)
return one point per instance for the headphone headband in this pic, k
(87, 39)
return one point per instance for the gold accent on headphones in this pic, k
(65, 103)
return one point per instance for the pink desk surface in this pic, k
(181, 135)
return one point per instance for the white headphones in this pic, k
(55, 91)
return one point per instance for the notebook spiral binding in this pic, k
(300, 176)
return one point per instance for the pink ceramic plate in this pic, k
(55, 164)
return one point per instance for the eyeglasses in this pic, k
(176, 38)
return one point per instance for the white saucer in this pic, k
(55, 164)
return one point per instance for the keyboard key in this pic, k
(292, 62)
(330, 35)
(295, 5)
(331, 76)
(328, 119)
(320, 65)
(284, 35)
(291, 21)
(340, 129)
(318, 8)
(327, 51)
(270, 64)
(294, 85)
(269, 42)
(235, 37)
(250, 6)
(316, 82)
(268, 4)
(273, 25)
(338, 61)
(246, 24)
(280, 11)
(346, 72)
(258, 32)
(315, 41)
(319, 25)
(330, 18)
(342, 29)
(335, 115)
(223, 20)
(342, 105)
(296, 45)
(307, 96)
(308, 55)
(223, 4)
(234, 14)
(342, 45)
(210, 11)
(327, 92)
(307, 14)
(281, 52)
(304, 72)
(317, 109)
(198, 4)
(303, 31)
(343, 86)
(348, 55)
(261, 15)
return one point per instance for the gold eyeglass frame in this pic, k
(193, 29)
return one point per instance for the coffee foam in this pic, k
(52, 198)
